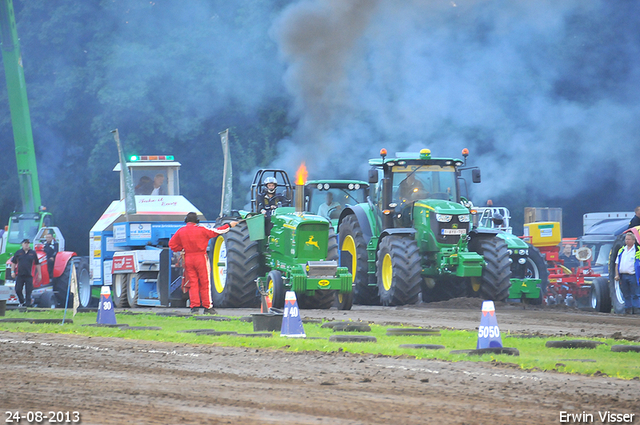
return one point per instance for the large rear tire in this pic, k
(495, 280)
(353, 255)
(119, 293)
(235, 266)
(617, 299)
(61, 286)
(398, 271)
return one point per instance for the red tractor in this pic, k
(44, 293)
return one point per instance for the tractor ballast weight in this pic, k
(414, 235)
(286, 249)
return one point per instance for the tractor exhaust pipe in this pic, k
(299, 198)
(301, 179)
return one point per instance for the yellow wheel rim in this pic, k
(270, 291)
(387, 272)
(219, 261)
(349, 245)
(475, 284)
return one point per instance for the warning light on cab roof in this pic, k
(134, 158)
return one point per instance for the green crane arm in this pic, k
(20, 118)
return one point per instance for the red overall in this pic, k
(193, 239)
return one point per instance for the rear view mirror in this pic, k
(476, 175)
(373, 176)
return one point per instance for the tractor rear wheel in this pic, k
(398, 271)
(495, 281)
(235, 265)
(353, 256)
(617, 299)
(119, 293)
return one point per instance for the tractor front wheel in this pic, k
(353, 256)
(275, 289)
(536, 268)
(398, 271)
(132, 289)
(495, 281)
(600, 299)
(119, 294)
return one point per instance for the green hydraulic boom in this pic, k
(23, 224)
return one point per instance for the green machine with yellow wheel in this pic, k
(414, 237)
(276, 250)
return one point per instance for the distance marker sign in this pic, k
(488, 332)
(291, 321)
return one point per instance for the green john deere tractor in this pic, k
(285, 249)
(415, 235)
(328, 198)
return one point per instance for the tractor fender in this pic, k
(363, 219)
(482, 232)
(401, 231)
(62, 258)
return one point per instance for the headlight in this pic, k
(522, 260)
(509, 252)
(522, 252)
(464, 218)
(443, 218)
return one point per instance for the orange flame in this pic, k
(301, 175)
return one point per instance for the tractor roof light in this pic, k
(135, 158)
(383, 153)
(465, 153)
(425, 154)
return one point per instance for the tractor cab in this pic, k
(417, 180)
(155, 175)
(40, 238)
(284, 189)
(328, 198)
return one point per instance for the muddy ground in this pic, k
(113, 381)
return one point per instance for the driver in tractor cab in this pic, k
(270, 200)
(328, 208)
(411, 189)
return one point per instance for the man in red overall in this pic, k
(193, 240)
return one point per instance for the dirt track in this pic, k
(123, 381)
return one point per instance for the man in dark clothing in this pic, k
(24, 258)
(635, 221)
(51, 249)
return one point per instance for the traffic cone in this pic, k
(291, 320)
(106, 313)
(265, 305)
(488, 332)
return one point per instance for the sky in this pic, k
(543, 93)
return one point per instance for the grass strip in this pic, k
(534, 355)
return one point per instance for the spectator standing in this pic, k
(24, 259)
(628, 272)
(635, 220)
